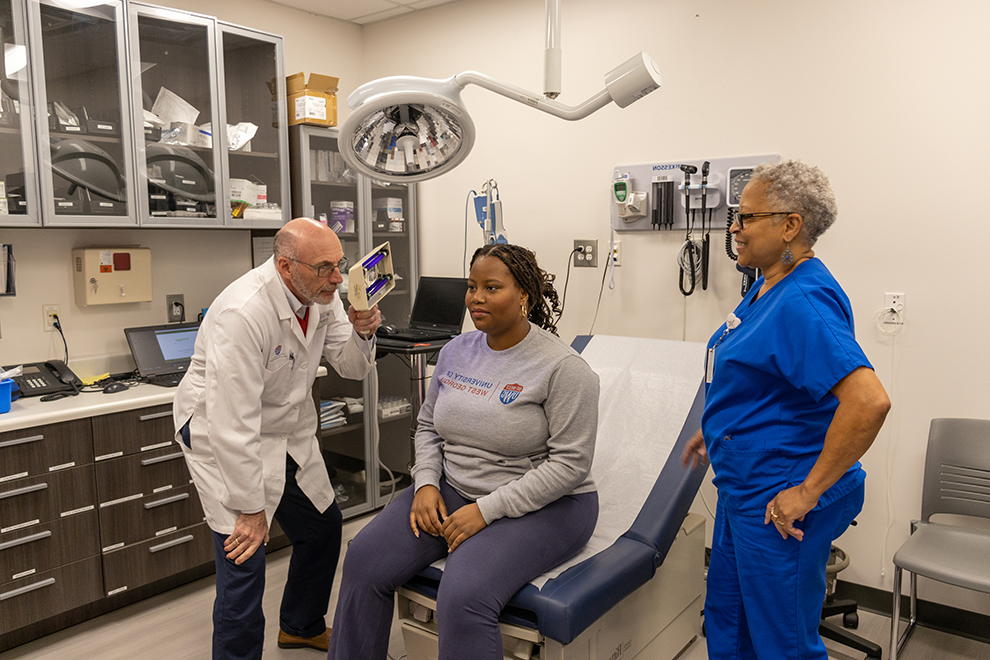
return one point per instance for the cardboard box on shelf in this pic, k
(242, 190)
(313, 102)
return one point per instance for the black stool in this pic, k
(847, 608)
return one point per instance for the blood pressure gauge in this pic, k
(738, 178)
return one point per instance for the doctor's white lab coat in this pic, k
(248, 397)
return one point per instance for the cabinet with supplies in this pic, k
(143, 116)
(85, 143)
(19, 197)
(368, 453)
(211, 118)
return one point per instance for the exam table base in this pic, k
(655, 622)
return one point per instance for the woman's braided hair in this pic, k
(544, 304)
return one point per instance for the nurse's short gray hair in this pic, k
(799, 188)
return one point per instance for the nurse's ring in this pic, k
(772, 514)
(777, 522)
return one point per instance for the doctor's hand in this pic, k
(250, 532)
(788, 507)
(695, 452)
(462, 525)
(428, 511)
(366, 322)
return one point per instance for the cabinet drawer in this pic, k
(133, 431)
(137, 475)
(150, 517)
(152, 560)
(44, 595)
(42, 547)
(35, 500)
(43, 449)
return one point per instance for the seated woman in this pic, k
(502, 476)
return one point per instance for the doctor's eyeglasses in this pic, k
(326, 269)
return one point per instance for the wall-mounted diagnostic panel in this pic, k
(678, 195)
(106, 276)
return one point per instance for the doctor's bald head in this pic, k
(306, 255)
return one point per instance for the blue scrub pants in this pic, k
(765, 593)
(480, 576)
(238, 619)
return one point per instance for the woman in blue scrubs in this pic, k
(791, 405)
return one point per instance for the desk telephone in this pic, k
(46, 378)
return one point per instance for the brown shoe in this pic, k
(321, 642)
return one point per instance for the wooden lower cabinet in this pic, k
(143, 563)
(48, 593)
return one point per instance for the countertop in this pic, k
(31, 411)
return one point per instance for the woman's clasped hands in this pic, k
(429, 513)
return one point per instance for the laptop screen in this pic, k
(439, 304)
(160, 350)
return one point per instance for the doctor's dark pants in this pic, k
(765, 594)
(238, 620)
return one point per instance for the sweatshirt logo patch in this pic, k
(278, 349)
(510, 393)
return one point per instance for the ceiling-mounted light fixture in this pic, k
(407, 129)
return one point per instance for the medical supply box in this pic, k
(313, 102)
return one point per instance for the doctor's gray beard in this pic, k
(322, 297)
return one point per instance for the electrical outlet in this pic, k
(50, 312)
(895, 302)
(176, 307)
(588, 256)
(617, 253)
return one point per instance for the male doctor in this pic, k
(247, 422)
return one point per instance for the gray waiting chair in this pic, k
(957, 481)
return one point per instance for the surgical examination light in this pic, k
(407, 129)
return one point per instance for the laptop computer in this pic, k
(438, 311)
(162, 352)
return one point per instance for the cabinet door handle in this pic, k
(23, 491)
(161, 459)
(167, 500)
(27, 539)
(171, 544)
(21, 441)
(145, 418)
(31, 587)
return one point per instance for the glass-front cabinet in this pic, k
(119, 113)
(83, 126)
(175, 109)
(368, 453)
(253, 103)
(18, 172)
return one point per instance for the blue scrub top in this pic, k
(769, 404)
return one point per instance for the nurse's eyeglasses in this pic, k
(326, 269)
(746, 217)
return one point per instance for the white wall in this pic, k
(888, 97)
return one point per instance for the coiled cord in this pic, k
(689, 261)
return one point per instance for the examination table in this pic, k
(637, 589)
